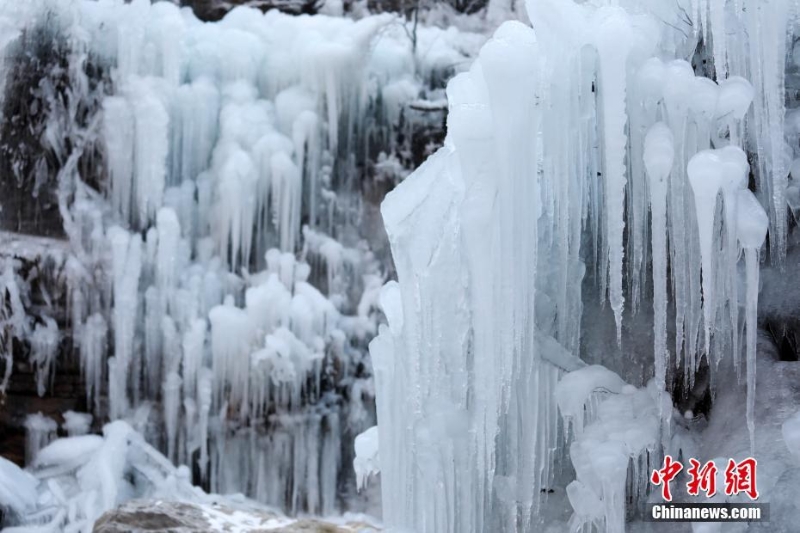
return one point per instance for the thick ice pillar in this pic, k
(466, 417)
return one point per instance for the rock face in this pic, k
(178, 517)
(213, 10)
(40, 261)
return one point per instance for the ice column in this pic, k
(466, 416)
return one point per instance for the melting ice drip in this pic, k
(574, 126)
(219, 143)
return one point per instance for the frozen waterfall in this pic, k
(585, 146)
(201, 185)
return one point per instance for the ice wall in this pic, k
(221, 289)
(585, 142)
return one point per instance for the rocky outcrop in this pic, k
(140, 516)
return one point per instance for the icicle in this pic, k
(204, 395)
(658, 159)
(193, 356)
(150, 149)
(286, 197)
(613, 41)
(751, 228)
(93, 352)
(169, 232)
(705, 172)
(768, 35)
(236, 207)
(44, 348)
(194, 129)
(126, 266)
(705, 94)
(39, 431)
(172, 404)
(118, 133)
(735, 173)
(735, 96)
(719, 36)
(678, 78)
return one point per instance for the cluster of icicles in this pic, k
(574, 132)
(191, 279)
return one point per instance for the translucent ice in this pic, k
(751, 228)
(659, 154)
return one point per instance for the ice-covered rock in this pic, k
(367, 462)
(186, 517)
(18, 492)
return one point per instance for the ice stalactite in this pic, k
(39, 431)
(613, 43)
(735, 96)
(714, 174)
(750, 39)
(735, 174)
(93, 348)
(768, 30)
(126, 268)
(13, 316)
(751, 225)
(44, 348)
(659, 153)
(705, 176)
(716, 20)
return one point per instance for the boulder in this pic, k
(141, 516)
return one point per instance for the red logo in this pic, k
(665, 475)
(739, 477)
(704, 478)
